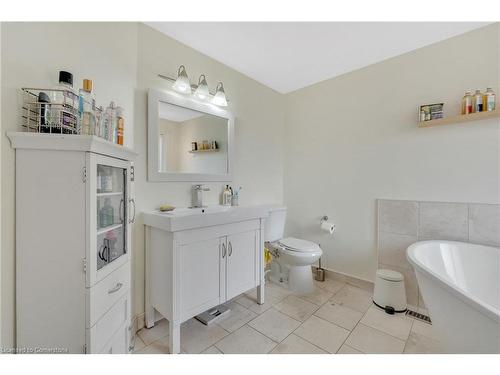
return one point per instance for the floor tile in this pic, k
(420, 344)
(296, 345)
(342, 316)
(296, 308)
(323, 334)
(196, 337)
(371, 340)
(396, 325)
(237, 317)
(150, 335)
(424, 329)
(346, 349)
(353, 297)
(319, 296)
(246, 340)
(251, 304)
(275, 325)
(331, 285)
(157, 347)
(211, 350)
(138, 344)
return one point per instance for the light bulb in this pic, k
(182, 84)
(220, 96)
(202, 89)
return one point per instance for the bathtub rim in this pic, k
(482, 307)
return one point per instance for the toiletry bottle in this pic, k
(110, 123)
(120, 120)
(65, 104)
(98, 122)
(226, 196)
(467, 103)
(489, 100)
(87, 109)
(107, 214)
(44, 105)
(478, 101)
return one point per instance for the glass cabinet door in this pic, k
(111, 214)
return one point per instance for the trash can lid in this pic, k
(389, 275)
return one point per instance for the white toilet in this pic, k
(292, 257)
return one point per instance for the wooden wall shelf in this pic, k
(202, 151)
(460, 118)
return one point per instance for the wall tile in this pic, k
(392, 248)
(399, 217)
(484, 224)
(443, 221)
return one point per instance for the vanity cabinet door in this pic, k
(200, 276)
(241, 260)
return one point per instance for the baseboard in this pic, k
(349, 279)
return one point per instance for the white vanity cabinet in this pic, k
(194, 266)
(74, 210)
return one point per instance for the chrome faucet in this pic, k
(197, 191)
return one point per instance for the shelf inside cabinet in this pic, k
(108, 228)
(110, 194)
(460, 118)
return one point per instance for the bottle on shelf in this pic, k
(106, 217)
(477, 101)
(227, 196)
(65, 105)
(120, 121)
(87, 109)
(98, 122)
(467, 103)
(109, 122)
(489, 100)
(44, 105)
(106, 181)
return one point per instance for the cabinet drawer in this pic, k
(106, 328)
(119, 343)
(103, 295)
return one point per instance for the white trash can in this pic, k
(389, 293)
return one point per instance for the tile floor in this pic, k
(336, 318)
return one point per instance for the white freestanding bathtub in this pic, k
(460, 283)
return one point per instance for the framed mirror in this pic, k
(188, 140)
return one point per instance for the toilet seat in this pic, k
(298, 245)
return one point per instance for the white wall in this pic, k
(124, 59)
(1, 188)
(353, 139)
(259, 127)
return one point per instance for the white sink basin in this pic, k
(190, 218)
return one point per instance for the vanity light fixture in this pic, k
(182, 84)
(202, 91)
(220, 96)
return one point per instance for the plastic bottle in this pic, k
(87, 109)
(226, 196)
(65, 105)
(489, 100)
(477, 101)
(120, 120)
(110, 123)
(467, 103)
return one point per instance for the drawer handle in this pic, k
(115, 289)
(230, 249)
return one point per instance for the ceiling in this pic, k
(287, 56)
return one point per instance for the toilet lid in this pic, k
(389, 275)
(299, 245)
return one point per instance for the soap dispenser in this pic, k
(226, 196)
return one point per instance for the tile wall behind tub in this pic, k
(401, 223)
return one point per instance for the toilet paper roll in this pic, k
(328, 227)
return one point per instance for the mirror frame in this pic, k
(154, 175)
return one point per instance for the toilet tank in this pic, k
(275, 224)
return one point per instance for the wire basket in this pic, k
(56, 111)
